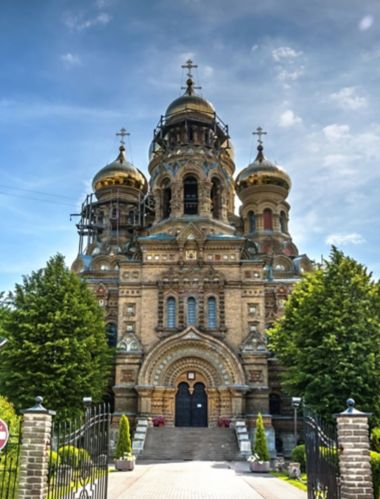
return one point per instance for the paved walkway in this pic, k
(198, 480)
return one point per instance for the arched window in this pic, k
(190, 196)
(111, 333)
(211, 312)
(283, 221)
(274, 403)
(251, 222)
(191, 311)
(216, 198)
(166, 198)
(171, 312)
(268, 219)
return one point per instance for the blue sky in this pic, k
(75, 72)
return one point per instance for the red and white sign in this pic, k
(4, 434)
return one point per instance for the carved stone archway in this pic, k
(191, 353)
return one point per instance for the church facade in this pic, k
(189, 287)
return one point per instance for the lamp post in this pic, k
(296, 402)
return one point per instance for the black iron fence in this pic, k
(322, 458)
(10, 465)
(78, 465)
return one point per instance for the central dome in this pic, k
(189, 104)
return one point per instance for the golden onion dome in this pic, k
(120, 172)
(189, 104)
(262, 172)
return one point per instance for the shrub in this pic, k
(8, 414)
(299, 456)
(375, 439)
(54, 461)
(71, 455)
(375, 465)
(124, 445)
(260, 447)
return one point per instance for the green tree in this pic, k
(329, 337)
(260, 447)
(124, 445)
(56, 342)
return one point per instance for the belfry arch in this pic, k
(191, 357)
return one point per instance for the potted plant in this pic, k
(158, 421)
(124, 459)
(259, 461)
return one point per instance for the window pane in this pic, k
(211, 312)
(191, 311)
(111, 333)
(171, 312)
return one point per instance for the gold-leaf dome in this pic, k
(262, 172)
(120, 172)
(189, 104)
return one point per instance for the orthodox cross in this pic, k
(190, 84)
(189, 65)
(123, 133)
(259, 132)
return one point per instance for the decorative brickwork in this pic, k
(35, 451)
(354, 461)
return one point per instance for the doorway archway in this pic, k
(191, 408)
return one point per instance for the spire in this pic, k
(123, 133)
(260, 148)
(190, 87)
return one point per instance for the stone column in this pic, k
(354, 460)
(35, 451)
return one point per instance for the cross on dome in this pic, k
(190, 82)
(123, 133)
(259, 132)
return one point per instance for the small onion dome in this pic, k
(120, 172)
(189, 104)
(262, 172)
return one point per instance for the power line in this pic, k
(51, 201)
(36, 192)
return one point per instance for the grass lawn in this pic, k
(296, 483)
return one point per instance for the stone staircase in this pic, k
(188, 444)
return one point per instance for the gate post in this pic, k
(35, 451)
(354, 460)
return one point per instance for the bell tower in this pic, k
(191, 165)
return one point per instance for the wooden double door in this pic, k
(191, 408)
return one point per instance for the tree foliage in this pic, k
(329, 337)
(124, 445)
(56, 342)
(260, 447)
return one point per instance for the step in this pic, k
(182, 444)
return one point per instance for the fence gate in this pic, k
(78, 466)
(9, 464)
(322, 460)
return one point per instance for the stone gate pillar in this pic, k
(35, 451)
(354, 460)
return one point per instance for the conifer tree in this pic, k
(329, 337)
(261, 446)
(56, 342)
(124, 445)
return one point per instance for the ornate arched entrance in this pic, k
(191, 405)
(191, 379)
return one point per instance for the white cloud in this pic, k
(70, 59)
(285, 53)
(335, 159)
(254, 47)
(343, 239)
(366, 23)
(289, 118)
(347, 98)
(336, 132)
(79, 24)
(208, 71)
(286, 75)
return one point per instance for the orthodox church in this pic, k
(188, 286)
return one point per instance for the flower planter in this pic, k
(257, 467)
(125, 464)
